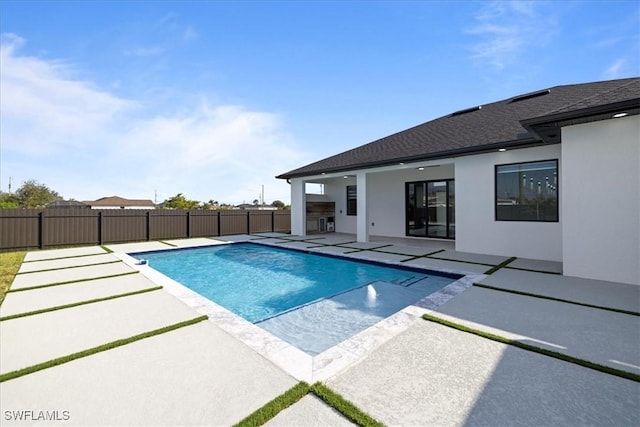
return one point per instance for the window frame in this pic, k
(557, 191)
(352, 208)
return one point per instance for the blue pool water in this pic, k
(274, 288)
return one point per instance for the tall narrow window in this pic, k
(527, 191)
(352, 199)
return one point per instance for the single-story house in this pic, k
(67, 204)
(115, 202)
(548, 175)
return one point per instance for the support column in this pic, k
(363, 212)
(298, 208)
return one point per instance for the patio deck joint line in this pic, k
(334, 400)
(459, 260)
(68, 282)
(164, 242)
(584, 304)
(432, 253)
(76, 304)
(543, 351)
(62, 257)
(534, 271)
(70, 266)
(344, 406)
(272, 408)
(501, 265)
(104, 347)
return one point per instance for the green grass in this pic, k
(561, 356)
(76, 304)
(71, 266)
(501, 265)
(345, 407)
(297, 392)
(272, 408)
(104, 347)
(9, 265)
(600, 307)
(67, 282)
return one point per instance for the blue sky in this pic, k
(214, 98)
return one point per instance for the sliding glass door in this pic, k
(431, 209)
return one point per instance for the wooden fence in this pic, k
(43, 228)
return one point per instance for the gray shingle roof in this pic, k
(497, 124)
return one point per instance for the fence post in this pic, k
(41, 229)
(273, 221)
(248, 222)
(219, 224)
(148, 225)
(188, 224)
(100, 232)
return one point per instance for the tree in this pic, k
(278, 204)
(9, 201)
(180, 202)
(34, 195)
(256, 202)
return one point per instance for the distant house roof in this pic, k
(66, 204)
(525, 120)
(119, 201)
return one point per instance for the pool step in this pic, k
(410, 280)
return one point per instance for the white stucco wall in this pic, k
(601, 198)
(298, 207)
(386, 198)
(476, 227)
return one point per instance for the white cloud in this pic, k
(144, 51)
(615, 70)
(506, 29)
(86, 142)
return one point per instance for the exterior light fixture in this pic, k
(345, 177)
(420, 168)
(622, 114)
(401, 164)
(502, 150)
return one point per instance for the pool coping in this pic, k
(289, 358)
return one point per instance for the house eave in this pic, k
(459, 152)
(547, 127)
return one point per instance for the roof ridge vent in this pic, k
(466, 110)
(530, 95)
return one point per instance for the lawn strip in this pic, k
(345, 407)
(48, 285)
(164, 242)
(104, 248)
(511, 291)
(9, 265)
(501, 265)
(76, 304)
(70, 266)
(434, 252)
(561, 356)
(104, 347)
(535, 271)
(273, 408)
(64, 257)
(458, 260)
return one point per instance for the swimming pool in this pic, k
(309, 300)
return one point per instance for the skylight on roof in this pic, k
(530, 95)
(467, 110)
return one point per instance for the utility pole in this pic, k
(262, 195)
(9, 185)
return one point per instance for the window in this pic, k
(527, 191)
(352, 199)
